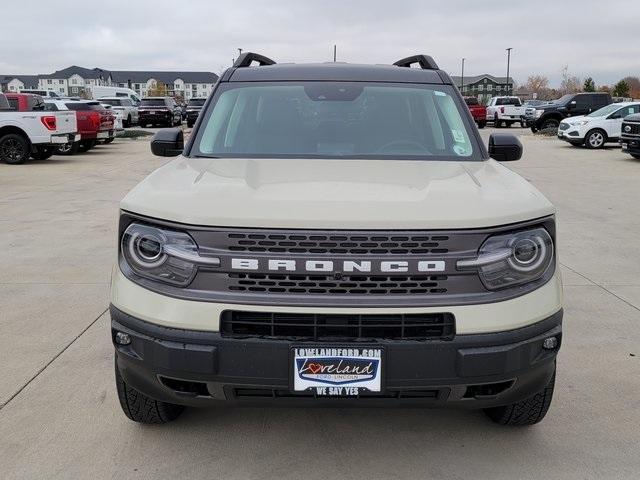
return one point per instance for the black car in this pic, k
(551, 114)
(193, 109)
(159, 111)
(630, 135)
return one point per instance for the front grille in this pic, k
(358, 244)
(325, 327)
(343, 285)
(280, 393)
(635, 128)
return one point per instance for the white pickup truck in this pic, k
(505, 110)
(33, 133)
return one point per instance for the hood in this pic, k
(341, 194)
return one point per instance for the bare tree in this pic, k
(634, 86)
(158, 90)
(569, 83)
(537, 83)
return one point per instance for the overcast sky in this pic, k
(594, 37)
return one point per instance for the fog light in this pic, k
(124, 338)
(550, 343)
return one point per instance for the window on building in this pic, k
(480, 88)
(49, 81)
(498, 87)
(61, 82)
(489, 87)
(61, 90)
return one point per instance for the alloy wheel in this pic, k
(12, 149)
(596, 139)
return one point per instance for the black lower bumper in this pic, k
(199, 368)
(630, 146)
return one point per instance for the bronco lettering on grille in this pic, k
(342, 266)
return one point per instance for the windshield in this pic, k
(564, 99)
(196, 102)
(153, 102)
(334, 120)
(601, 112)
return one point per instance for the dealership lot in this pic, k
(60, 417)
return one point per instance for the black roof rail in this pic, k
(425, 61)
(246, 59)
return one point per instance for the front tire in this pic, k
(127, 122)
(550, 124)
(635, 155)
(14, 149)
(496, 121)
(595, 139)
(142, 409)
(525, 412)
(480, 124)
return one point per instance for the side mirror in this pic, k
(571, 105)
(504, 147)
(168, 142)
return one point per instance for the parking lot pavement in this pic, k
(61, 418)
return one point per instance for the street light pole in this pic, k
(335, 48)
(508, 64)
(462, 77)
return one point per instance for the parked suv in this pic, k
(630, 135)
(550, 115)
(125, 107)
(159, 111)
(597, 128)
(193, 109)
(336, 233)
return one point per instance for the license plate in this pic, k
(337, 371)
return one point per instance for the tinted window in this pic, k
(471, 101)
(84, 106)
(126, 102)
(153, 102)
(4, 103)
(196, 102)
(335, 120)
(35, 102)
(13, 103)
(51, 107)
(111, 102)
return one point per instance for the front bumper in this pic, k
(630, 145)
(199, 368)
(572, 134)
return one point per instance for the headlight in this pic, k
(164, 255)
(511, 259)
(579, 123)
(539, 113)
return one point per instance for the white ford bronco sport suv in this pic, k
(336, 234)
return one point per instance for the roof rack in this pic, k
(246, 59)
(425, 61)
